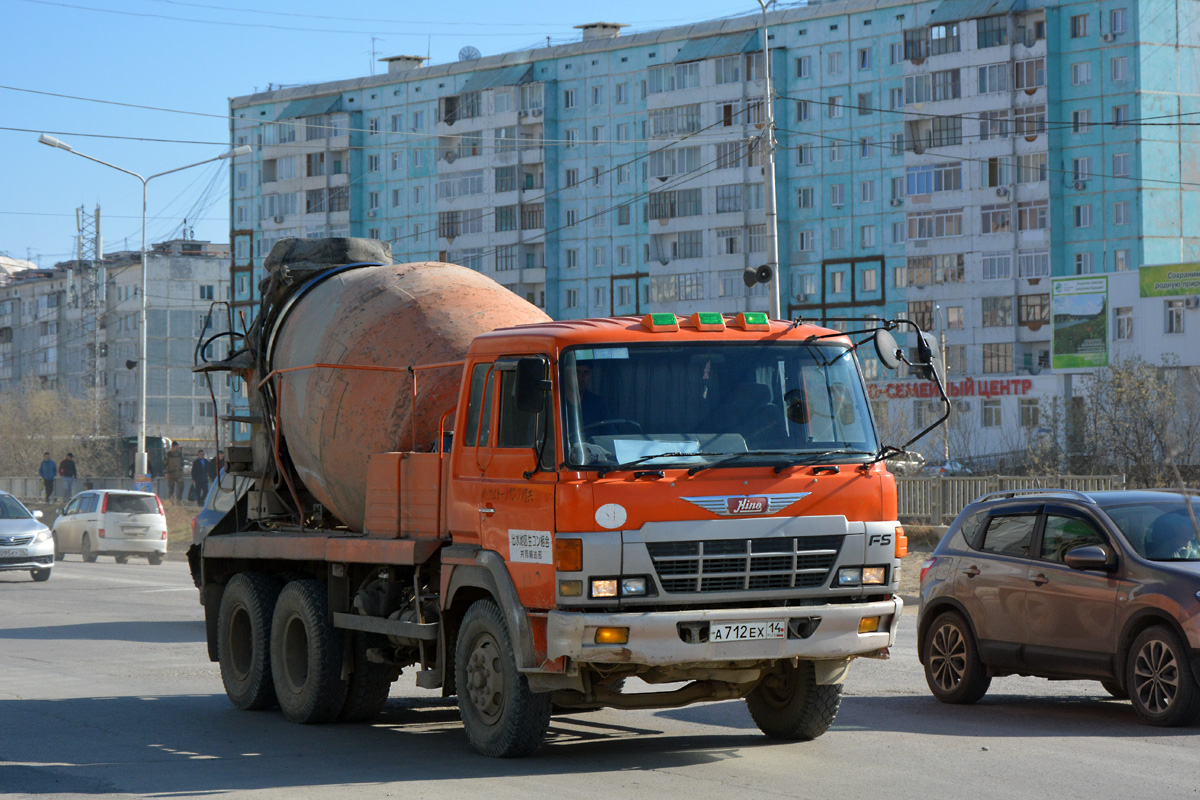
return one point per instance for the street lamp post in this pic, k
(141, 462)
(946, 376)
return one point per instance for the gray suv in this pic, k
(1067, 585)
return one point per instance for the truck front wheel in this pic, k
(244, 640)
(306, 655)
(788, 703)
(502, 717)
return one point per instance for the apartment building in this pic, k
(943, 161)
(75, 327)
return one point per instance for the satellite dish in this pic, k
(469, 53)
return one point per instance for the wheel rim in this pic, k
(485, 679)
(241, 645)
(948, 657)
(1156, 676)
(779, 686)
(295, 653)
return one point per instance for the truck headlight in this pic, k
(874, 576)
(633, 587)
(849, 576)
(604, 587)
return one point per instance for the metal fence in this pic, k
(31, 490)
(936, 501)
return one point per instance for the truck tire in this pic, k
(1160, 679)
(244, 640)
(369, 685)
(953, 669)
(788, 703)
(306, 654)
(502, 717)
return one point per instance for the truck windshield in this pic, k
(700, 404)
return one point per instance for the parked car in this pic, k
(948, 469)
(1067, 585)
(112, 523)
(25, 543)
(905, 463)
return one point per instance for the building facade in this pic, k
(75, 327)
(941, 161)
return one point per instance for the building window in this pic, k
(867, 236)
(373, 163)
(921, 312)
(946, 131)
(572, 298)
(993, 125)
(1083, 216)
(1030, 73)
(835, 107)
(1033, 215)
(997, 358)
(804, 241)
(954, 318)
(1123, 323)
(1033, 309)
(804, 197)
(1120, 260)
(1081, 121)
(1081, 168)
(991, 32)
(803, 111)
(1117, 20)
(864, 58)
(1120, 116)
(1121, 212)
(1032, 168)
(1079, 26)
(997, 266)
(569, 98)
(837, 281)
(837, 195)
(996, 218)
(935, 224)
(1120, 165)
(1081, 73)
(870, 277)
(1174, 316)
(206, 292)
(836, 238)
(991, 413)
(834, 62)
(804, 67)
(1029, 120)
(864, 104)
(897, 52)
(1120, 68)
(1028, 407)
(1033, 263)
(997, 312)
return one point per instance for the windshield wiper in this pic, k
(631, 464)
(808, 458)
(790, 459)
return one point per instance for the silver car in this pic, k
(25, 543)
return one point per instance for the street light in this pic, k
(946, 376)
(768, 144)
(141, 464)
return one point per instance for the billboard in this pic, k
(1169, 280)
(1079, 322)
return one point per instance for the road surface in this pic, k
(107, 691)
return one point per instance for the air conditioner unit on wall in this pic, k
(279, 217)
(523, 113)
(537, 112)
(897, 201)
(371, 214)
(1108, 37)
(1001, 191)
(1191, 302)
(1080, 184)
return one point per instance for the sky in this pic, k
(165, 70)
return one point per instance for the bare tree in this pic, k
(1135, 414)
(34, 420)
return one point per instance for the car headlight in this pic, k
(42, 535)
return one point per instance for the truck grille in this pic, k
(734, 565)
(19, 540)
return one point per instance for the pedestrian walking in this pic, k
(174, 470)
(67, 471)
(48, 470)
(200, 477)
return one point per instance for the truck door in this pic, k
(514, 513)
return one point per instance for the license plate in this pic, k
(12, 552)
(747, 631)
(134, 531)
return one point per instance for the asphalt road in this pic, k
(106, 690)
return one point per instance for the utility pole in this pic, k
(768, 147)
(946, 378)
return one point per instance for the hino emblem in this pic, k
(733, 505)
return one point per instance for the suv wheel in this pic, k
(953, 670)
(1159, 678)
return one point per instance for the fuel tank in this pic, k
(395, 316)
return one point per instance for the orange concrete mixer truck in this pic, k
(534, 514)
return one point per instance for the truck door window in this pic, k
(516, 428)
(481, 398)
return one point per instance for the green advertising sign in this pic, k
(1079, 322)
(1169, 280)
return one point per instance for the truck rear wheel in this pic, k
(788, 703)
(306, 655)
(244, 640)
(502, 717)
(369, 685)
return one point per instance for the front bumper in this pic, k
(655, 638)
(38, 555)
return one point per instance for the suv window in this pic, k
(72, 507)
(131, 504)
(89, 504)
(1009, 536)
(1063, 534)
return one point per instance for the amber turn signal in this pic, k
(868, 625)
(568, 555)
(612, 635)
(901, 542)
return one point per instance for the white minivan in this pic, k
(112, 523)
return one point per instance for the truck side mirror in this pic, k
(532, 385)
(929, 358)
(886, 348)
